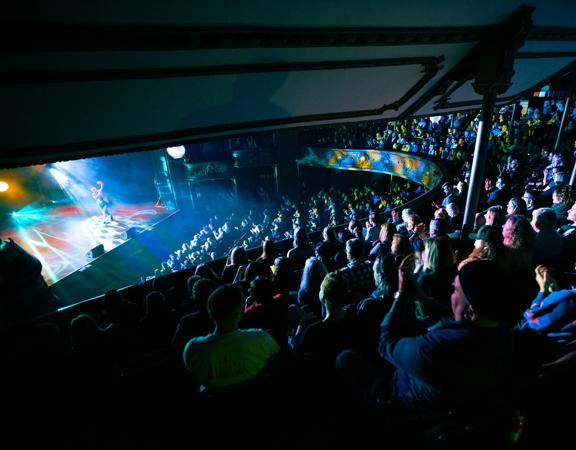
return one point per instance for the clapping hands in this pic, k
(407, 284)
(545, 280)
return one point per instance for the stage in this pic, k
(62, 236)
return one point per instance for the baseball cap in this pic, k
(490, 234)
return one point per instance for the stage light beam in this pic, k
(59, 177)
(4, 186)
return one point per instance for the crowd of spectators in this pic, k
(452, 137)
(396, 312)
(518, 147)
(249, 228)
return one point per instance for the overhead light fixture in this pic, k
(176, 152)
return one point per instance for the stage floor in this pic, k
(61, 236)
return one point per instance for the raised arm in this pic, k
(97, 192)
(545, 280)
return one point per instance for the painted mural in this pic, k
(419, 170)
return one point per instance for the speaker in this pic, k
(96, 252)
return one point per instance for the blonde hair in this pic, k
(484, 251)
(438, 254)
(334, 289)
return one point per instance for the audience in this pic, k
(419, 336)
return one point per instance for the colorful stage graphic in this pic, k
(62, 236)
(405, 165)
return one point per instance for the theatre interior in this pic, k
(301, 224)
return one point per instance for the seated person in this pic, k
(198, 322)
(237, 258)
(530, 199)
(302, 249)
(336, 330)
(264, 310)
(456, 217)
(25, 294)
(568, 233)
(228, 355)
(548, 245)
(561, 205)
(358, 271)
(433, 370)
(553, 311)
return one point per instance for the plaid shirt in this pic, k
(359, 276)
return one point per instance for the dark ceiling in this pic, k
(91, 78)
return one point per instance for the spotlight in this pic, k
(176, 152)
(15, 214)
(4, 186)
(59, 177)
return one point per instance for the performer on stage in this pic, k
(160, 202)
(103, 202)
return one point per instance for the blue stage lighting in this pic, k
(59, 177)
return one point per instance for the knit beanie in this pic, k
(483, 285)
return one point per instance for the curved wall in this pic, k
(420, 170)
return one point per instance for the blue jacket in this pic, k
(553, 314)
